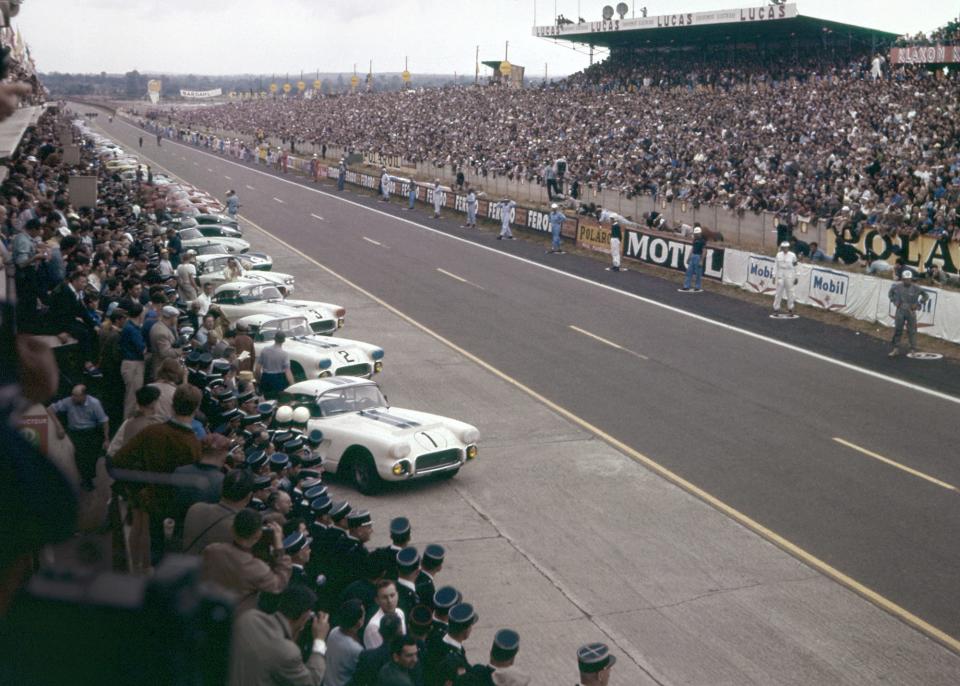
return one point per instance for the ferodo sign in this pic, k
(670, 252)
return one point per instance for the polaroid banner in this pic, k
(828, 289)
(593, 235)
(670, 252)
(760, 274)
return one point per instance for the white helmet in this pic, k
(697, 230)
(301, 415)
(284, 414)
(554, 206)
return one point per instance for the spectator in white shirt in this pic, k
(387, 601)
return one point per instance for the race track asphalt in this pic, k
(751, 422)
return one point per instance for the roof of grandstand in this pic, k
(762, 24)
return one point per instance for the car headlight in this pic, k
(377, 367)
(288, 280)
(325, 363)
(469, 435)
(398, 451)
(400, 468)
(324, 374)
(471, 452)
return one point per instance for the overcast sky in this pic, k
(287, 36)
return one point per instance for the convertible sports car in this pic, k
(370, 442)
(238, 300)
(213, 269)
(256, 260)
(193, 238)
(313, 356)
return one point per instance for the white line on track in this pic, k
(649, 301)
(278, 199)
(209, 170)
(249, 187)
(893, 463)
(370, 240)
(606, 342)
(227, 177)
(459, 278)
(196, 164)
(317, 216)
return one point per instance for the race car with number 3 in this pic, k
(369, 442)
(237, 300)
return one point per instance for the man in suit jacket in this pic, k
(233, 567)
(162, 340)
(264, 649)
(372, 660)
(208, 523)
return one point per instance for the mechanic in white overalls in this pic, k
(785, 276)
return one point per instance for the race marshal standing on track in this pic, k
(785, 275)
(907, 297)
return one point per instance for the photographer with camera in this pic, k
(235, 568)
(265, 650)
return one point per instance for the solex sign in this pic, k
(828, 289)
(671, 253)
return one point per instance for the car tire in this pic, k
(363, 473)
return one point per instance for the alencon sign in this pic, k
(746, 14)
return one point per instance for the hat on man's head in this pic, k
(595, 657)
(506, 645)
(359, 518)
(907, 274)
(785, 244)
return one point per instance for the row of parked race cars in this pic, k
(334, 398)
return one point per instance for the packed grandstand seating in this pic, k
(753, 132)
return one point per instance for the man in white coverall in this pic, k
(785, 276)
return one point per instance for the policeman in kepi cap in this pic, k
(503, 653)
(450, 648)
(595, 663)
(399, 538)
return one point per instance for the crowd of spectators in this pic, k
(158, 390)
(801, 136)
(948, 34)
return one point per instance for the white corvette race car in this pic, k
(313, 356)
(213, 269)
(194, 238)
(370, 442)
(237, 300)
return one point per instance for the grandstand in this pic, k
(778, 25)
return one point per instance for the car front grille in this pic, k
(355, 370)
(443, 458)
(324, 326)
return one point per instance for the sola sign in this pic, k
(214, 93)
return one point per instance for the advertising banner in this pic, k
(666, 251)
(926, 54)
(153, 90)
(213, 93)
(921, 251)
(593, 235)
(851, 293)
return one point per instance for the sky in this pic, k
(290, 36)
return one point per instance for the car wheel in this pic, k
(364, 474)
(298, 373)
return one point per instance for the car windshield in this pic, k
(190, 234)
(260, 293)
(350, 399)
(292, 326)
